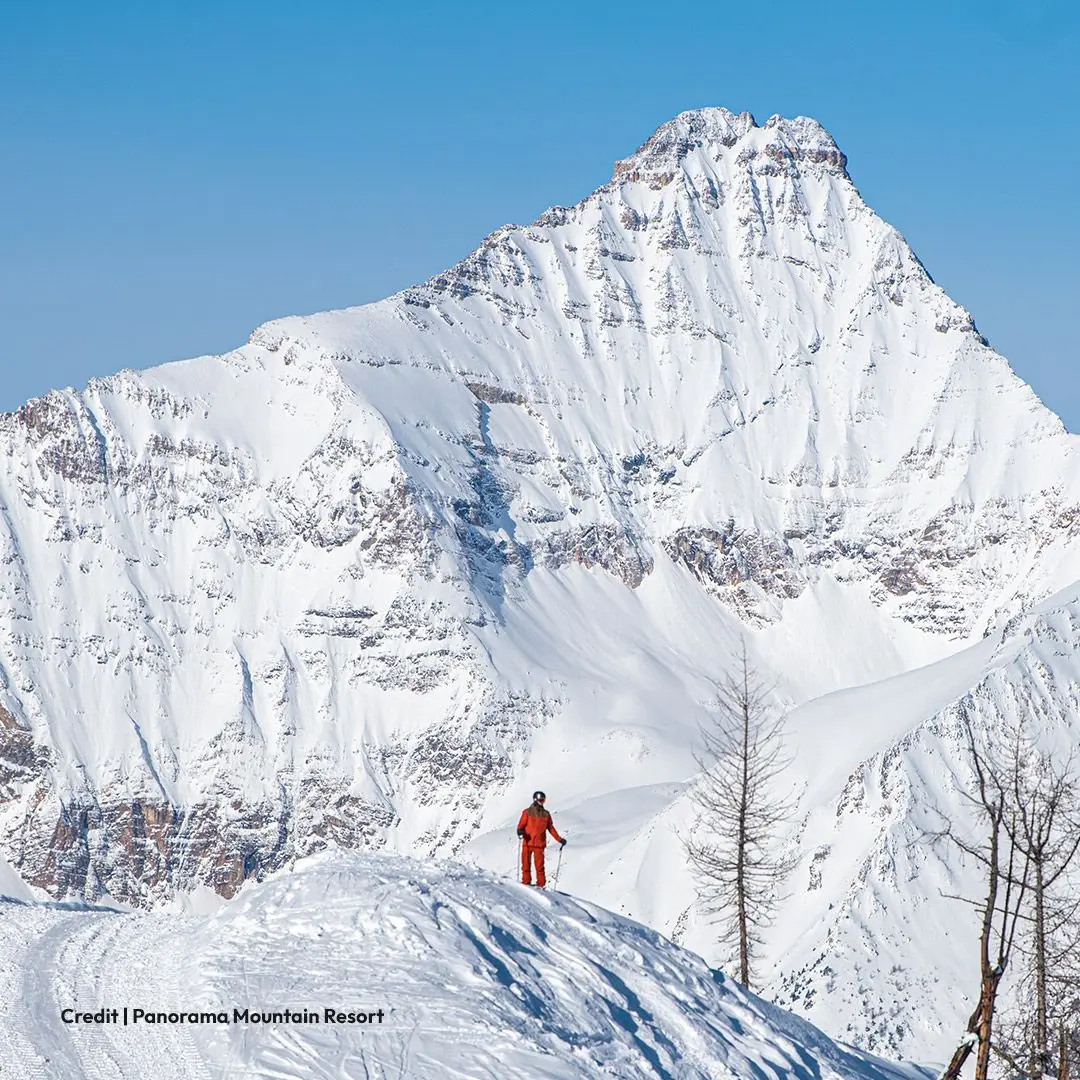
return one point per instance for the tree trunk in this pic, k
(1042, 1034)
(982, 1018)
(986, 1022)
(740, 868)
(963, 1052)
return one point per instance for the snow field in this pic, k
(477, 978)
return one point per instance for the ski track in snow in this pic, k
(478, 978)
(92, 960)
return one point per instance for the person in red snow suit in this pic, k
(532, 829)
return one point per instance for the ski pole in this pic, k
(558, 867)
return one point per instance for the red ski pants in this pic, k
(536, 855)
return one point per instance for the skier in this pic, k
(532, 829)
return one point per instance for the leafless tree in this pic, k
(1063, 962)
(733, 849)
(1008, 874)
(1017, 1039)
(1028, 809)
(1047, 833)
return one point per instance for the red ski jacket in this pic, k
(535, 822)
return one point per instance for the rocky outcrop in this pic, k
(22, 760)
(744, 569)
(144, 851)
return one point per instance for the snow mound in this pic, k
(476, 977)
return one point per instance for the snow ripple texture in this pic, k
(478, 978)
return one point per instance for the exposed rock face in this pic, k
(744, 569)
(349, 584)
(21, 760)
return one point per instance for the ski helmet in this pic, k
(538, 795)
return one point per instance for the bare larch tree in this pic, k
(732, 848)
(1007, 877)
(1047, 834)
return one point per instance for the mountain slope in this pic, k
(376, 575)
(474, 978)
(869, 942)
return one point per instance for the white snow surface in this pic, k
(370, 579)
(476, 978)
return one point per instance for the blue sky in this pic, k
(174, 174)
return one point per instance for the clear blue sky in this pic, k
(173, 174)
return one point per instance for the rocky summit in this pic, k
(369, 579)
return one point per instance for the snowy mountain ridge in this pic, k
(459, 973)
(372, 577)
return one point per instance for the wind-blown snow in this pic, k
(476, 978)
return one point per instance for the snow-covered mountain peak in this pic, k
(713, 134)
(714, 129)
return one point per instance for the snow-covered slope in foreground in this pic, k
(476, 978)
